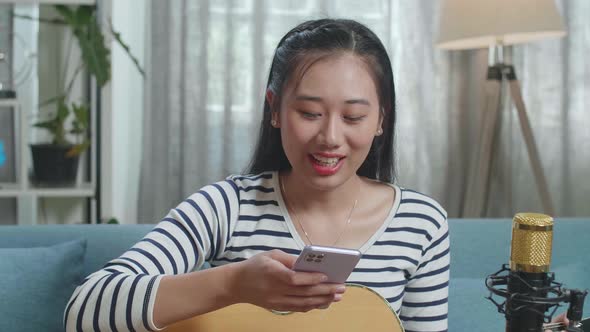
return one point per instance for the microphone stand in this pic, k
(529, 302)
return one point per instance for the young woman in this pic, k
(322, 174)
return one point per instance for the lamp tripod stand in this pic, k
(478, 189)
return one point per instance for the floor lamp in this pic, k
(498, 24)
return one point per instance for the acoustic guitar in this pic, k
(360, 309)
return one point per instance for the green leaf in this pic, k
(81, 114)
(113, 221)
(78, 16)
(49, 125)
(58, 123)
(66, 13)
(94, 53)
(80, 122)
(62, 111)
(126, 49)
(83, 15)
(76, 129)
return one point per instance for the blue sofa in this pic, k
(478, 247)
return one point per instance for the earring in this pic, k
(273, 122)
(379, 132)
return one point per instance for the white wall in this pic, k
(129, 19)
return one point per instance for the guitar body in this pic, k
(360, 309)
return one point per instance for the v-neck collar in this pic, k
(299, 241)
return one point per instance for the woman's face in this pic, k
(329, 120)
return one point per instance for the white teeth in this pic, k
(326, 161)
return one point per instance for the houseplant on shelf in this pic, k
(56, 162)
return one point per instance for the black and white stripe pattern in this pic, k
(407, 261)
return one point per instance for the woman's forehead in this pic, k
(345, 75)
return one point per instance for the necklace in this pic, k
(301, 225)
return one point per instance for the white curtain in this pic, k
(209, 63)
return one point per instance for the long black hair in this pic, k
(325, 37)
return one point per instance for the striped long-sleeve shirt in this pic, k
(406, 261)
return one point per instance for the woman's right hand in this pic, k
(267, 280)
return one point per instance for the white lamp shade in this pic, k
(466, 24)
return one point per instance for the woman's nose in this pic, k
(331, 132)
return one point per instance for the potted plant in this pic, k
(56, 162)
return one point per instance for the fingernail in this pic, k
(340, 289)
(324, 278)
(337, 297)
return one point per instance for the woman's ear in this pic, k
(379, 131)
(270, 96)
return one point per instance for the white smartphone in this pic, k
(336, 263)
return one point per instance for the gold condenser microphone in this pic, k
(532, 243)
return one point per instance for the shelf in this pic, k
(10, 190)
(51, 2)
(13, 190)
(10, 102)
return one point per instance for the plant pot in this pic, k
(51, 166)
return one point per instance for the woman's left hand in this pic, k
(561, 318)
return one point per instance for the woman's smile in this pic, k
(326, 163)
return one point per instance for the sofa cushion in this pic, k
(36, 283)
(104, 242)
(471, 310)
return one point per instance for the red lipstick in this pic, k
(323, 169)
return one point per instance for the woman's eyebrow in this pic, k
(361, 101)
(308, 98)
(358, 101)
